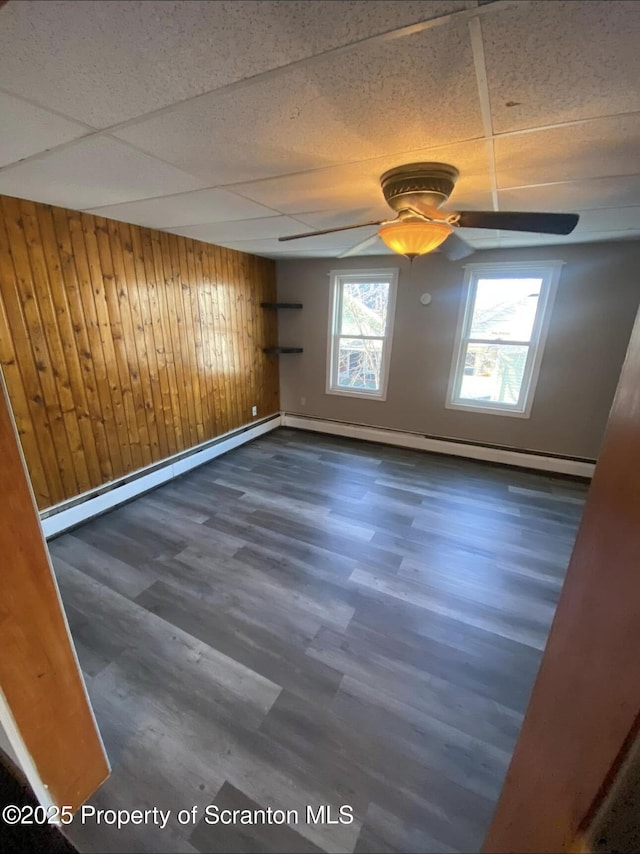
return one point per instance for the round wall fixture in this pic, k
(425, 299)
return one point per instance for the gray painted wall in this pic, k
(590, 326)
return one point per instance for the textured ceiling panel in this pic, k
(248, 229)
(356, 186)
(609, 219)
(523, 239)
(558, 61)
(478, 236)
(574, 195)
(339, 109)
(378, 248)
(341, 216)
(103, 63)
(309, 246)
(26, 129)
(310, 140)
(92, 172)
(608, 146)
(186, 209)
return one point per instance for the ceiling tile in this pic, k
(326, 243)
(365, 103)
(559, 61)
(338, 217)
(367, 242)
(26, 129)
(609, 219)
(311, 141)
(306, 253)
(496, 242)
(479, 236)
(92, 172)
(600, 236)
(107, 62)
(247, 229)
(515, 240)
(356, 186)
(574, 195)
(377, 248)
(198, 206)
(588, 150)
(311, 253)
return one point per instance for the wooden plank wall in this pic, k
(122, 345)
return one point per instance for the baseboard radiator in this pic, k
(68, 514)
(62, 517)
(452, 447)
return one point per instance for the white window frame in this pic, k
(549, 272)
(337, 279)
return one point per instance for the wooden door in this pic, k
(44, 708)
(585, 704)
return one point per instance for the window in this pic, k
(501, 334)
(360, 327)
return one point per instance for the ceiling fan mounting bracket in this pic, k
(430, 183)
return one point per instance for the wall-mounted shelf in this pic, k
(276, 305)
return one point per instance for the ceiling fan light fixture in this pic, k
(414, 238)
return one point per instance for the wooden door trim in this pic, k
(44, 706)
(586, 699)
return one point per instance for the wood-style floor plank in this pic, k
(316, 620)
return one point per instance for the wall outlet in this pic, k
(254, 410)
(303, 401)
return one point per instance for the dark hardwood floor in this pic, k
(310, 620)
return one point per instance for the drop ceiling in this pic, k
(238, 122)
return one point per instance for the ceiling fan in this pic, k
(416, 192)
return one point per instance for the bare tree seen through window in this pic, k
(362, 326)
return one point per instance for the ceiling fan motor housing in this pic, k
(429, 184)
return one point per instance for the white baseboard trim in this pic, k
(522, 459)
(55, 520)
(79, 509)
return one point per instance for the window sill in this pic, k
(365, 395)
(488, 410)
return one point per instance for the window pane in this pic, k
(493, 373)
(505, 308)
(359, 363)
(364, 308)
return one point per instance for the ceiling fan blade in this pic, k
(543, 223)
(364, 244)
(329, 230)
(455, 248)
